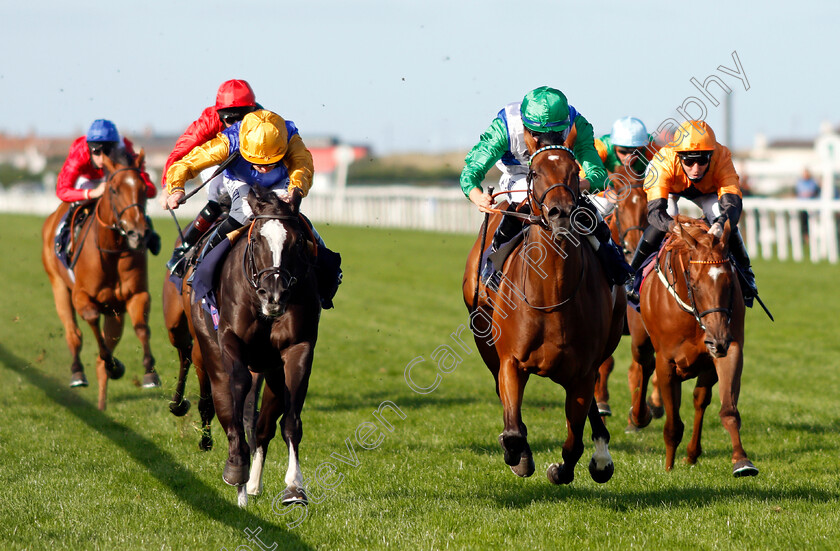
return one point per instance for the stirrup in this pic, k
(629, 288)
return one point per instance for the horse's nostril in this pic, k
(554, 212)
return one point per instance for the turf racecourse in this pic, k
(132, 477)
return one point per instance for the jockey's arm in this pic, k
(492, 145)
(658, 215)
(207, 154)
(298, 161)
(587, 156)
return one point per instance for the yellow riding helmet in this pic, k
(263, 138)
(694, 136)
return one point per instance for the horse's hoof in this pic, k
(631, 428)
(526, 466)
(604, 409)
(603, 475)
(151, 380)
(78, 379)
(179, 409)
(235, 475)
(115, 371)
(206, 443)
(656, 411)
(744, 467)
(293, 494)
(559, 474)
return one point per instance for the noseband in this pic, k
(691, 307)
(255, 276)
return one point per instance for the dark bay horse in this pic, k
(268, 314)
(627, 223)
(693, 309)
(554, 315)
(109, 275)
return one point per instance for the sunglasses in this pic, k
(691, 161)
(100, 150)
(272, 166)
(231, 119)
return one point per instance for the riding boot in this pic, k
(648, 245)
(153, 238)
(327, 269)
(742, 258)
(195, 230)
(219, 235)
(508, 228)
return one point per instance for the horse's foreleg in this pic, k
(602, 392)
(514, 439)
(578, 403)
(252, 410)
(138, 309)
(601, 466)
(638, 377)
(265, 429)
(729, 373)
(669, 385)
(72, 333)
(206, 408)
(702, 398)
(297, 362)
(232, 348)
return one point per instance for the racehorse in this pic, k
(268, 313)
(108, 274)
(553, 314)
(693, 309)
(627, 223)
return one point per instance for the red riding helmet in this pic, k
(235, 93)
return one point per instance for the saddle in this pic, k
(67, 235)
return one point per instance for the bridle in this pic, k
(691, 306)
(117, 214)
(539, 203)
(255, 276)
(622, 233)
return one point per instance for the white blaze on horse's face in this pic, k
(275, 234)
(715, 271)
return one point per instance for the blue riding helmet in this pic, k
(103, 130)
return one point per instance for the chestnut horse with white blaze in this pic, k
(109, 274)
(693, 308)
(553, 314)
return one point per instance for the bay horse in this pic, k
(108, 275)
(268, 314)
(693, 309)
(553, 314)
(627, 224)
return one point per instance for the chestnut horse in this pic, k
(693, 309)
(627, 223)
(109, 275)
(268, 313)
(554, 314)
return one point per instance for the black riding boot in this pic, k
(611, 257)
(219, 234)
(508, 228)
(648, 245)
(195, 230)
(742, 258)
(153, 238)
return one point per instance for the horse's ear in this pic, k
(724, 238)
(685, 235)
(254, 202)
(570, 139)
(138, 162)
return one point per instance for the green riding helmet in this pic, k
(545, 109)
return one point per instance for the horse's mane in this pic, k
(696, 228)
(119, 155)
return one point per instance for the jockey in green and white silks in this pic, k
(545, 116)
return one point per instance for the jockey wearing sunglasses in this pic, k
(82, 176)
(694, 166)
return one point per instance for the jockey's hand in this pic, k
(162, 197)
(174, 200)
(482, 200)
(716, 230)
(97, 192)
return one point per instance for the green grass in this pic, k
(132, 477)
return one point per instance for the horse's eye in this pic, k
(262, 292)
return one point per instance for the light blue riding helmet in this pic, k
(629, 132)
(102, 130)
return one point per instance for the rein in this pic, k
(249, 264)
(116, 213)
(692, 307)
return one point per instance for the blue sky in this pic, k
(414, 75)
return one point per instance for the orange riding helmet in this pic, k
(694, 136)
